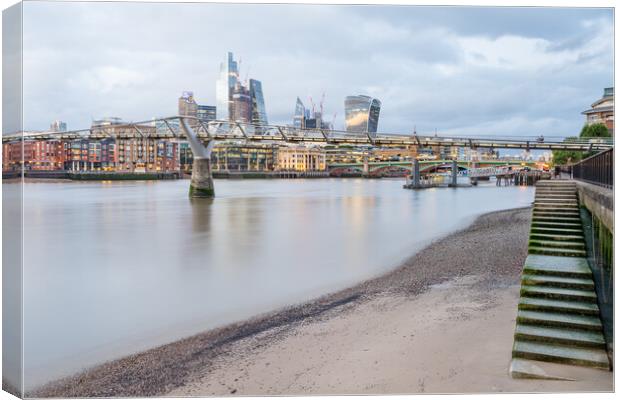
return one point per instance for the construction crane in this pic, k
(321, 103)
(312, 102)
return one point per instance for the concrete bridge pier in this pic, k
(473, 181)
(415, 173)
(365, 169)
(201, 183)
(455, 172)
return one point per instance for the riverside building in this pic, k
(602, 110)
(242, 157)
(301, 159)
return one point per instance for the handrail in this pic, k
(597, 169)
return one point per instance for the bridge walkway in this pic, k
(558, 318)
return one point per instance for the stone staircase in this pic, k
(558, 317)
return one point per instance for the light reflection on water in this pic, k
(118, 267)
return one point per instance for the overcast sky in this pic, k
(507, 71)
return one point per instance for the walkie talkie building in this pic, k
(361, 114)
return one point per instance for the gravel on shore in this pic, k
(494, 247)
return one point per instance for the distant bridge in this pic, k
(403, 168)
(202, 135)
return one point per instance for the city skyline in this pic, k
(533, 70)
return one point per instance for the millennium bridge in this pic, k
(202, 136)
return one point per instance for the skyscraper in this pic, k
(235, 100)
(224, 87)
(187, 104)
(259, 115)
(206, 113)
(300, 114)
(58, 126)
(241, 110)
(361, 114)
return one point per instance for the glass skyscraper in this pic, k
(300, 114)
(235, 100)
(241, 109)
(224, 87)
(206, 113)
(259, 114)
(361, 114)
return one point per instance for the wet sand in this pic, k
(440, 323)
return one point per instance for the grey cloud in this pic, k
(132, 60)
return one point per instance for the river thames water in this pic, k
(111, 268)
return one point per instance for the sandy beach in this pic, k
(442, 322)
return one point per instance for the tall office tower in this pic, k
(58, 126)
(259, 114)
(206, 113)
(299, 119)
(224, 87)
(187, 105)
(241, 110)
(361, 114)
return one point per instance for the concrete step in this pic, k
(555, 207)
(561, 190)
(596, 358)
(533, 369)
(558, 244)
(562, 320)
(556, 231)
(548, 199)
(558, 306)
(558, 281)
(558, 293)
(556, 204)
(557, 266)
(553, 192)
(556, 188)
(554, 201)
(570, 337)
(552, 251)
(556, 195)
(554, 183)
(557, 224)
(543, 199)
(573, 219)
(556, 192)
(567, 238)
(549, 213)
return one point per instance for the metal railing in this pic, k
(597, 169)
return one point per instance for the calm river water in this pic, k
(113, 268)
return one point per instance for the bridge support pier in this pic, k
(473, 181)
(455, 172)
(415, 173)
(201, 183)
